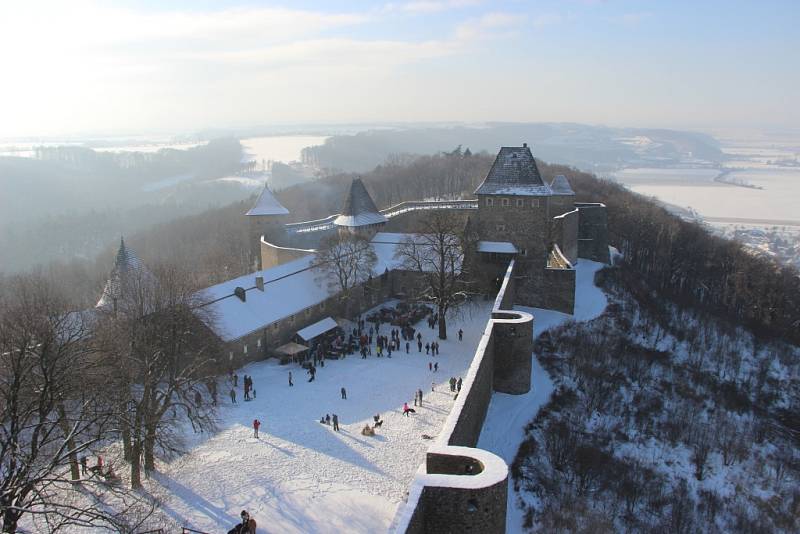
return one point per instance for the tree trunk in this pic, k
(74, 468)
(442, 324)
(136, 468)
(149, 445)
(126, 440)
(10, 518)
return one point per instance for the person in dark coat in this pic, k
(427, 348)
(336, 422)
(460, 334)
(290, 379)
(344, 393)
(408, 347)
(419, 345)
(458, 384)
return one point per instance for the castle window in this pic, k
(258, 344)
(230, 355)
(244, 349)
(489, 201)
(501, 228)
(520, 203)
(523, 252)
(505, 202)
(535, 203)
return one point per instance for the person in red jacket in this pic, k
(256, 425)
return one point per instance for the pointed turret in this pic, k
(359, 209)
(128, 269)
(267, 204)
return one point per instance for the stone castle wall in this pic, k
(593, 232)
(273, 255)
(463, 489)
(565, 234)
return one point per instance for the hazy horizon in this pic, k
(139, 67)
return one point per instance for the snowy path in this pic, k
(504, 428)
(300, 475)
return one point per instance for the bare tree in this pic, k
(345, 261)
(53, 411)
(166, 355)
(437, 254)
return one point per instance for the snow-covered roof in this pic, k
(320, 327)
(267, 204)
(359, 208)
(128, 268)
(560, 186)
(514, 172)
(288, 289)
(502, 247)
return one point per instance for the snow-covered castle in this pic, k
(530, 234)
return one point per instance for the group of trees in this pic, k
(660, 412)
(75, 382)
(684, 261)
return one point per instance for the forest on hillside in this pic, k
(663, 419)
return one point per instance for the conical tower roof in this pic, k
(127, 268)
(267, 204)
(359, 208)
(514, 172)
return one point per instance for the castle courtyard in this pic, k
(302, 476)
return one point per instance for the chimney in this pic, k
(260, 283)
(239, 292)
(524, 145)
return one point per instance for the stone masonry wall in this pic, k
(593, 232)
(451, 495)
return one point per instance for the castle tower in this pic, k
(127, 273)
(359, 214)
(514, 205)
(266, 218)
(563, 199)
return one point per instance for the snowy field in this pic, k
(285, 148)
(300, 475)
(504, 428)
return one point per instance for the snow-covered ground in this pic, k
(504, 428)
(300, 475)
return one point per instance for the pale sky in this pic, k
(83, 66)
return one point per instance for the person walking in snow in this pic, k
(344, 394)
(407, 410)
(408, 347)
(290, 379)
(84, 465)
(336, 422)
(419, 394)
(419, 345)
(233, 396)
(430, 366)
(460, 334)
(256, 425)
(427, 348)
(415, 398)
(436, 367)
(235, 380)
(458, 384)
(433, 387)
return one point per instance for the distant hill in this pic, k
(591, 148)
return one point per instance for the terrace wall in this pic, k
(460, 488)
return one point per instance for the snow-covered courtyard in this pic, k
(302, 476)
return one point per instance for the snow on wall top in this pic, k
(288, 289)
(359, 208)
(560, 186)
(267, 204)
(502, 247)
(514, 172)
